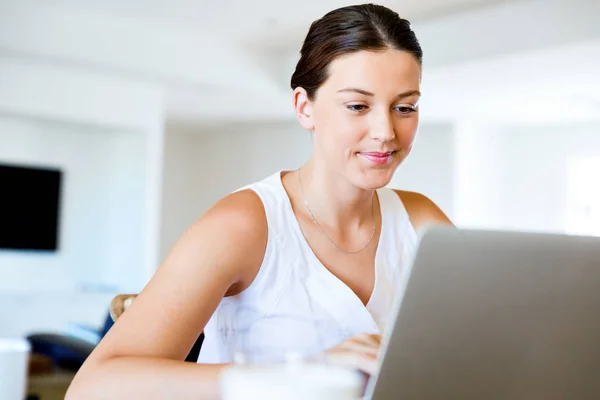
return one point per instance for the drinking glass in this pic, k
(277, 339)
(282, 357)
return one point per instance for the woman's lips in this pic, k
(376, 157)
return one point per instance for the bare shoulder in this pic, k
(235, 228)
(240, 210)
(421, 210)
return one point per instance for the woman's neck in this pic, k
(334, 201)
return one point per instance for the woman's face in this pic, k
(365, 116)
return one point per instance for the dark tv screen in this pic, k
(29, 208)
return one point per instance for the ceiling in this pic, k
(243, 20)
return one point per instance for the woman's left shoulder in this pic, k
(421, 210)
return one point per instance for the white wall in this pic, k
(479, 154)
(127, 268)
(184, 184)
(429, 169)
(535, 172)
(515, 177)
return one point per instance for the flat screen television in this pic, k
(30, 200)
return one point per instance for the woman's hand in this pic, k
(359, 352)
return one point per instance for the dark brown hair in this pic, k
(347, 30)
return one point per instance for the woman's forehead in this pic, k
(373, 71)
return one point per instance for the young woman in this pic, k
(326, 242)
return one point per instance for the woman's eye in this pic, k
(405, 109)
(356, 107)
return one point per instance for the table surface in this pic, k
(52, 386)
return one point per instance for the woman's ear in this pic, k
(303, 108)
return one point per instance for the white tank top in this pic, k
(294, 302)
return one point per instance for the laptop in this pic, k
(495, 315)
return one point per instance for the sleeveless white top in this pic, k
(294, 302)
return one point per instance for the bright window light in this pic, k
(583, 196)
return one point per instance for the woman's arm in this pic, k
(142, 355)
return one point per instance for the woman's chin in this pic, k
(373, 180)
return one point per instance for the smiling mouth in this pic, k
(377, 157)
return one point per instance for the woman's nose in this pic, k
(383, 130)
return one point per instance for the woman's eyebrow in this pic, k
(402, 95)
